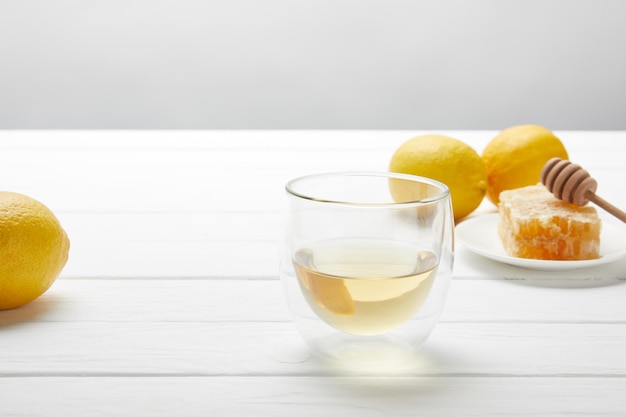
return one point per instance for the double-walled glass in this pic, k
(367, 262)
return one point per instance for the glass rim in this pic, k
(437, 197)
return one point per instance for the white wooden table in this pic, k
(170, 304)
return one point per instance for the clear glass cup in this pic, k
(367, 262)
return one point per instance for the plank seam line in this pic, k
(275, 321)
(170, 278)
(276, 278)
(297, 375)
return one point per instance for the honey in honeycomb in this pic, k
(534, 224)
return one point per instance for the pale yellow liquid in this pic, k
(365, 287)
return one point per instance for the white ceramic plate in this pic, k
(480, 235)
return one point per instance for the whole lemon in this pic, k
(33, 249)
(448, 160)
(516, 156)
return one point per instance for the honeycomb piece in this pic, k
(534, 224)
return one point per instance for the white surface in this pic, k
(323, 64)
(170, 303)
(480, 235)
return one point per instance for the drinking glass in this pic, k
(367, 262)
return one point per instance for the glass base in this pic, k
(393, 352)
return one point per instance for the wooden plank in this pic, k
(247, 300)
(106, 189)
(205, 347)
(312, 396)
(108, 162)
(143, 259)
(172, 226)
(207, 139)
(210, 159)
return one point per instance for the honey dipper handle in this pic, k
(606, 205)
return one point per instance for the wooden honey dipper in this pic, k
(571, 183)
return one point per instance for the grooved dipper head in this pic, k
(567, 181)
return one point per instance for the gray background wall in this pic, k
(325, 64)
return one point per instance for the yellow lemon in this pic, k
(515, 157)
(448, 160)
(33, 249)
